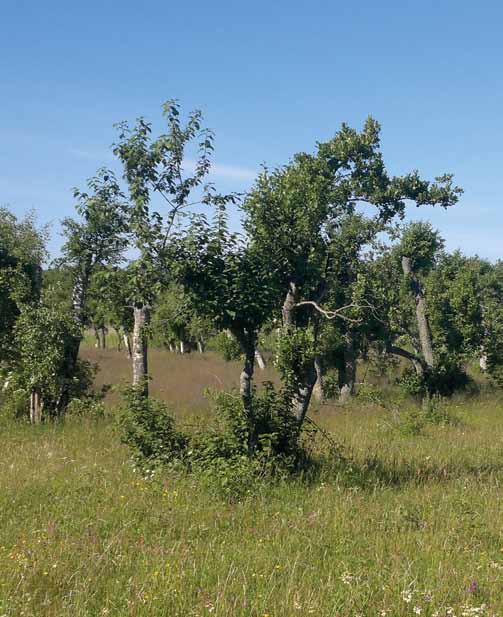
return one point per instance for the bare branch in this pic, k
(337, 313)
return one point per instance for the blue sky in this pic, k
(271, 77)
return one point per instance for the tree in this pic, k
(97, 239)
(22, 254)
(157, 168)
(290, 216)
(234, 286)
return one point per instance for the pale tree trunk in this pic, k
(35, 407)
(303, 391)
(247, 342)
(200, 345)
(483, 359)
(140, 349)
(347, 376)
(259, 358)
(318, 394)
(423, 324)
(171, 347)
(182, 347)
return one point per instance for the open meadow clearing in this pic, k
(416, 528)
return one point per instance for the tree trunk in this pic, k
(423, 324)
(103, 336)
(119, 339)
(303, 388)
(171, 347)
(417, 363)
(97, 338)
(247, 343)
(140, 349)
(182, 347)
(318, 386)
(127, 344)
(260, 360)
(79, 293)
(200, 345)
(483, 360)
(347, 376)
(35, 407)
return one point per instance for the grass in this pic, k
(82, 534)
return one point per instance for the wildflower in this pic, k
(417, 610)
(407, 596)
(473, 587)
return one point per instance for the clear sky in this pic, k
(271, 77)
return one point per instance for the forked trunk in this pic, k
(140, 349)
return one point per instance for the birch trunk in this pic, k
(140, 350)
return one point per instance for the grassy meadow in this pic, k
(83, 534)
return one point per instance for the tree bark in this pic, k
(423, 324)
(305, 380)
(318, 386)
(140, 349)
(127, 344)
(417, 362)
(35, 407)
(97, 338)
(247, 342)
(79, 294)
(200, 345)
(259, 358)
(103, 335)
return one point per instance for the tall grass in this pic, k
(83, 534)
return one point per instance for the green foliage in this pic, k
(42, 335)
(331, 388)
(148, 428)
(227, 346)
(22, 253)
(221, 451)
(421, 243)
(296, 351)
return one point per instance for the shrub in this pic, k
(148, 428)
(227, 346)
